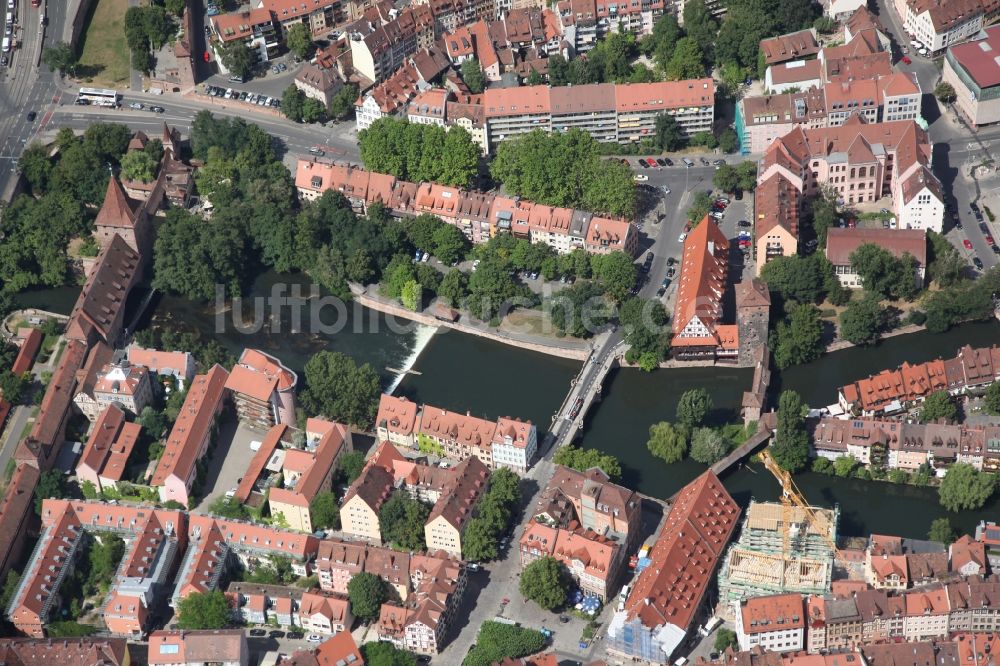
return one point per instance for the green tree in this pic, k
(449, 244)
(10, 586)
(965, 489)
(324, 512)
(13, 387)
(660, 44)
(313, 110)
(644, 323)
(791, 441)
(700, 25)
(51, 484)
(546, 582)
(701, 204)
(668, 441)
(410, 295)
(799, 339)
(454, 287)
(822, 466)
(341, 390)
(203, 610)
(139, 165)
(479, 542)
(938, 405)
(991, 400)
(945, 92)
(941, 531)
(824, 216)
(616, 272)
(708, 446)
(693, 407)
(728, 141)
(60, 57)
(402, 521)
(298, 40)
(844, 466)
(191, 258)
(384, 653)
(497, 641)
(687, 61)
(534, 78)
(237, 59)
(883, 274)
(472, 74)
(862, 321)
(668, 134)
(584, 459)
(945, 265)
(292, 103)
(726, 178)
(351, 464)
(725, 638)
(367, 592)
(794, 278)
(36, 167)
(342, 102)
(459, 163)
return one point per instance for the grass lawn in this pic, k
(104, 56)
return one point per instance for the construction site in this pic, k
(783, 547)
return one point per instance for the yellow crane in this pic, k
(791, 496)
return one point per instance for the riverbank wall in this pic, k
(837, 345)
(577, 351)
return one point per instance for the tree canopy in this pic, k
(938, 405)
(384, 653)
(708, 446)
(402, 519)
(416, 152)
(693, 407)
(584, 459)
(367, 592)
(883, 274)
(341, 390)
(497, 640)
(324, 513)
(564, 169)
(965, 488)
(667, 441)
(798, 338)
(472, 74)
(546, 582)
(204, 610)
(791, 441)
(862, 321)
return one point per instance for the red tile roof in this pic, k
(979, 58)
(64, 651)
(779, 612)
(193, 423)
(704, 265)
(792, 46)
(336, 651)
(397, 415)
(31, 340)
(259, 461)
(693, 537)
(841, 243)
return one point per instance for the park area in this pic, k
(104, 54)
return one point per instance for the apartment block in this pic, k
(222, 647)
(263, 390)
(422, 624)
(107, 450)
(891, 391)
(775, 623)
(391, 96)
(177, 364)
(609, 112)
(480, 216)
(190, 436)
(842, 242)
(943, 23)
(254, 27)
(453, 492)
(593, 561)
(121, 384)
(71, 652)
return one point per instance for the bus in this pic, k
(98, 96)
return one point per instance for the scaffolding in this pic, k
(781, 549)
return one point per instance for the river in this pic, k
(489, 379)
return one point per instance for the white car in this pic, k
(231, 493)
(475, 265)
(136, 105)
(314, 638)
(680, 239)
(640, 177)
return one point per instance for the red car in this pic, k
(967, 243)
(989, 240)
(906, 60)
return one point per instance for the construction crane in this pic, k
(791, 497)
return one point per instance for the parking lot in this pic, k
(243, 96)
(229, 461)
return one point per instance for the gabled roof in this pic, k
(117, 210)
(704, 265)
(693, 537)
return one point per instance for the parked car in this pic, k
(978, 262)
(662, 162)
(258, 632)
(643, 164)
(668, 161)
(967, 243)
(296, 635)
(738, 195)
(316, 151)
(743, 223)
(277, 634)
(680, 239)
(314, 638)
(719, 162)
(640, 177)
(906, 60)
(989, 239)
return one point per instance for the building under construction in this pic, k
(782, 548)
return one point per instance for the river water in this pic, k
(465, 373)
